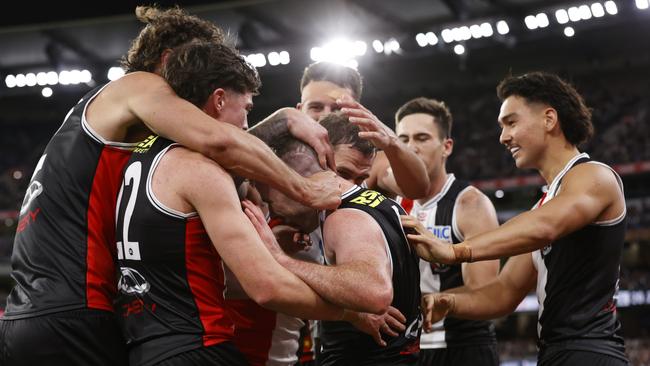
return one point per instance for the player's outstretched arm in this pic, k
(148, 98)
(499, 297)
(210, 190)
(589, 193)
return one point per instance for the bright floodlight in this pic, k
(642, 4)
(85, 76)
(360, 48)
(64, 77)
(75, 77)
(391, 46)
(115, 73)
(502, 27)
(352, 64)
(10, 81)
(447, 35)
(597, 10)
(339, 50)
(41, 78)
(459, 49)
(46, 92)
(487, 30)
(20, 80)
(285, 58)
(475, 29)
(421, 39)
(30, 79)
(464, 33)
(432, 39)
(274, 58)
(611, 8)
(585, 12)
(542, 20)
(256, 59)
(52, 78)
(574, 14)
(562, 16)
(378, 46)
(498, 193)
(531, 22)
(569, 31)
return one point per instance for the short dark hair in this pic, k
(342, 132)
(165, 29)
(196, 69)
(435, 108)
(343, 76)
(541, 87)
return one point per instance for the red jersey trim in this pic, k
(101, 251)
(206, 280)
(254, 327)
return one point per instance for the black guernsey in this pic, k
(437, 216)
(577, 284)
(170, 297)
(64, 250)
(342, 344)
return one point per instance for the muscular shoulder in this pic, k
(591, 173)
(349, 223)
(472, 198)
(475, 212)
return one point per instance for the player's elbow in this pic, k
(380, 299)
(266, 296)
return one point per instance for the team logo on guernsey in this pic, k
(146, 144)
(132, 282)
(442, 232)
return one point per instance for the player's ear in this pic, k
(550, 119)
(219, 98)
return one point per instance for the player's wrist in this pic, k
(462, 253)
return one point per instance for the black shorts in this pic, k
(571, 357)
(484, 355)
(222, 354)
(77, 337)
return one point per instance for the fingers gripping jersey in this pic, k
(64, 253)
(344, 344)
(438, 216)
(171, 282)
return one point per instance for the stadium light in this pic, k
(114, 73)
(391, 46)
(569, 32)
(421, 39)
(487, 30)
(285, 57)
(562, 16)
(542, 20)
(597, 10)
(447, 35)
(274, 58)
(46, 92)
(432, 39)
(611, 7)
(378, 46)
(531, 22)
(30, 79)
(502, 27)
(257, 59)
(574, 14)
(642, 4)
(585, 12)
(459, 49)
(342, 50)
(20, 80)
(476, 31)
(10, 81)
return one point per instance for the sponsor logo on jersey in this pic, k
(442, 232)
(132, 282)
(369, 198)
(145, 145)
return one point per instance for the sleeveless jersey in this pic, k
(267, 338)
(171, 282)
(438, 215)
(577, 282)
(64, 257)
(344, 344)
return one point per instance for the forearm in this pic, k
(408, 169)
(522, 234)
(272, 127)
(488, 302)
(350, 286)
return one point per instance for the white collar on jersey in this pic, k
(352, 189)
(552, 189)
(434, 200)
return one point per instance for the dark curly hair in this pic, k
(343, 76)
(540, 87)
(435, 108)
(165, 29)
(196, 69)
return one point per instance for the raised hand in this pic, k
(258, 220)
(372, 129)
(304, 128)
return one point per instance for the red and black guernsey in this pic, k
(64, 249)
(170, 291)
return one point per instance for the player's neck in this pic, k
(436, 182)
(553, 163)
(345, 185)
